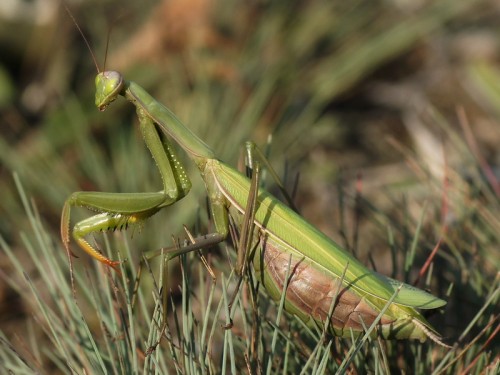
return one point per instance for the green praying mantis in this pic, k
(325, 284)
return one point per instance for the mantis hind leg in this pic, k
(247, 237)
(254, 154)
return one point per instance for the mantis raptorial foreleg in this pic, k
(119, 210)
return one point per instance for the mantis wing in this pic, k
(287, 226)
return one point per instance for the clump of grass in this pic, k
(96, 330)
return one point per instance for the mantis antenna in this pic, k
(85, 39)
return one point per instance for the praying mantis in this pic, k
(325, 283)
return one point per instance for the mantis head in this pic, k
(109, 85)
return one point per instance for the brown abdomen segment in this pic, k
(311, 290)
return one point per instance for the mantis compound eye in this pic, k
(108, 86)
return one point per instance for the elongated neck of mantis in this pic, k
(161, 115)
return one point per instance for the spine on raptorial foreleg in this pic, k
(103, 222)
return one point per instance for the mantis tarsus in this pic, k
(323, 274)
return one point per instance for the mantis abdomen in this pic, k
(313, 284)
(310, 294)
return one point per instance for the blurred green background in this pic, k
(373, 104)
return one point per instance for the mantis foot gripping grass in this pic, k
(322, 274)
